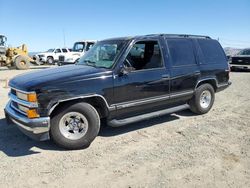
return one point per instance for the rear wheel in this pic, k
(76, 126)
(203, 99)
(22, 62)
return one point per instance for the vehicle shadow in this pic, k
(186, 113)
(107, 131)
(15, 144)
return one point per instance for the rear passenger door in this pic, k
(184, 68)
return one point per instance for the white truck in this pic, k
(50, 56)
(78, 50)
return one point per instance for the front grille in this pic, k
(61, 58)
(12, 91)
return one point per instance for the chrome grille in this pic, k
(61, 58)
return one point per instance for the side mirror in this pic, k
(123, 71)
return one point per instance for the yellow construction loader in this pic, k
(14, 57)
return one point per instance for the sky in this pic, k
(44, 24)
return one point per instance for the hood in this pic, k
(55, 77)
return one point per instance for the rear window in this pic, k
(212, 51)
(181, 51)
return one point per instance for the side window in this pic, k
(144, 55)
(79, 47)
(89, 45)
(212, 51)
(181, 51)
(64, 50)
(58, 50)
(247, 52)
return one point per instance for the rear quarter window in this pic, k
(212, 51)
(181, 51)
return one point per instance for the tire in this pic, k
(203, 99)
(64, 135)
(50, 60)
(22, 63)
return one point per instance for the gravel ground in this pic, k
(178, 150)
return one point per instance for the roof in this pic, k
(119, 38)
(156, 35)
(86, 41)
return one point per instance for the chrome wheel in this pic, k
(73, 125)
(205, 99)
(50, 61)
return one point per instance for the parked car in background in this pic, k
(78, 50)
(115, 84)
(50, 56)
(241, 60)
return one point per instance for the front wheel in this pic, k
(50, 60)
(22, 62)
(76, 126)
(203, 99)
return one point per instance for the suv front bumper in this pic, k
(37, 129)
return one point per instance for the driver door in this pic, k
(147, 81)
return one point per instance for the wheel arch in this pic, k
(50, 56)
(212, 81)
(97, 101)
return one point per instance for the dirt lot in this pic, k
(176, 150)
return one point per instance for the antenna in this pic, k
(64, 38)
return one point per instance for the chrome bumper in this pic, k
(239, 66)
(37, 128)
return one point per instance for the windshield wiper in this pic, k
(93, 64)
(90, 63)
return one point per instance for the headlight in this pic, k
(30, 97)
(31, 113)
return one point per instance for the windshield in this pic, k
(51, 50)
(103, 54)
(244, 52)
(78, 47)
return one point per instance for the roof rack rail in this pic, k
(187, 36)
(179, 35)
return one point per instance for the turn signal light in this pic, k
(32, 97)
(32, 114)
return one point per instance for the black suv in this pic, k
(240, 60)
(120, 80)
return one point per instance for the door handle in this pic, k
(165, 76)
